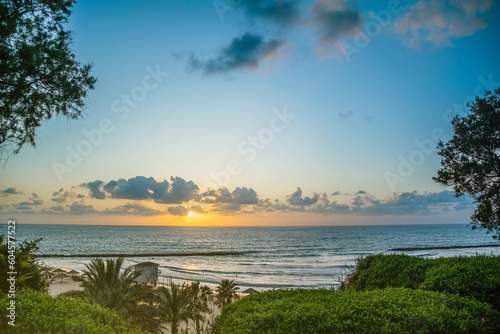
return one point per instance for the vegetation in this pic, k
(39, 313)
(105, 285)
(199, 305)
(476, 277)
(471, 160)
(25, 265)
(175, 305)
(393, 310)
(226, 291)
(39, 76)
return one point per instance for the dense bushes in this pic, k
(477, 276)
(38, 313)
(393, 310)
(25, 265)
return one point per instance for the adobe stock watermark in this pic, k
(424, 148)
(11, 271)
(121, 107)
(371, 29)
(223, 6)
(249, 148)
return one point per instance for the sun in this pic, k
(190, 214)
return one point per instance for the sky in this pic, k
(250, 113)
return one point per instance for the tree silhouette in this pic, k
(471, 160)
(39, 76)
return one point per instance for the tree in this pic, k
(39, 76)
(226, 291)
(471, 160)
(25, 266)
(105, 284)
(199, 304)
(175, 305)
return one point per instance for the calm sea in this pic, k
(266, 257)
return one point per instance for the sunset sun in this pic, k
(190, 214)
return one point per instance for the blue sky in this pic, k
(254, 99)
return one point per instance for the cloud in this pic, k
(61, 196)
(414, 203)
(438, 22)
(360, 192)
(335, 20)
(347, 114)
(282, 12)
(95, 188)
(140, 188)
(297, 200)
(241, 196)
(34, 200)
(11, 191)
(245, 52)
(132, 209)
(80, 208)
(184, 211)
(178, 192)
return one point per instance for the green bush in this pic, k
(38, 313)
(477, 276)
(393, 310)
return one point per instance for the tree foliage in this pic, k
(226, 291)
(26, 267)
(475, 276)
(39, 313)
(175, 305)
(39, 75)
(104, 283)
(392, 310)
(471, 160)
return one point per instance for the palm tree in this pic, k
(104, 283)
(175, 305)
(199, 304)
(226, 291)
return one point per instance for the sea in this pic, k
(262, 258)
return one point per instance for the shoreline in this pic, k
(409, 249)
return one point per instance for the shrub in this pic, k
(39, 313)
(393, 310)
(475, 276)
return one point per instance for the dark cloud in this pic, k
(245, 52)
(282, 12)
(227, 208)
(62, 196)
(357, 201)
(360, 192)
(414, 203)
(297, 200)
(132, 209)
(241, 196)
(137, 188)
(140, 187)
(336, 193)
(438, 22)
(335, 19)
(180, 191)
(184, 211)
(34, 200)
(346, 114)
(95, 188)
(81, 208)
(11, 191)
